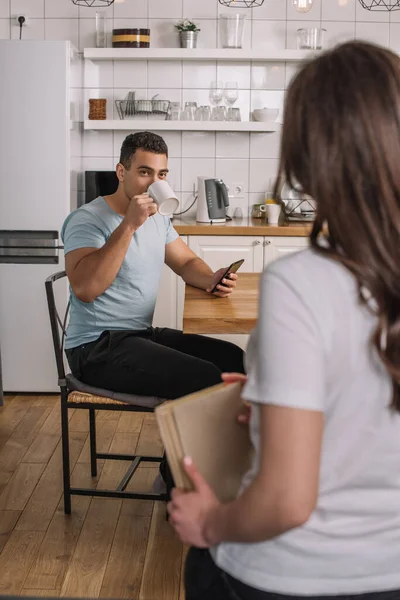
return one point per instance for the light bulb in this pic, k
(303, 6)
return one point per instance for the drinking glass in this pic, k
(175, 111)
(218, 113)
(310, 38)
(232, 30)
(188, 113)
(231, 92)
(216, 92)
(233, 114)
(206, 113)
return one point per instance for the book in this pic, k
(205, 426)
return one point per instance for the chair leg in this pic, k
(65, 451)
(92, 429)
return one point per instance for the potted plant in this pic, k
(187, 33)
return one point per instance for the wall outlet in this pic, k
(236, 190)
(16, 20)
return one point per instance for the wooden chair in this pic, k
(76, 394)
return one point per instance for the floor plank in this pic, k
(51, 564)
(53, 422)
(107, 415)
(162, 569)
(16, 559)
(8, 519)
(21, 485)
(114, 470)
(149, 443)
(31, 423)
(79, 420)
(104, 436)
(142, 481)
(40, 593)
(130, 422)
(42, 448)
(10, 456)
(85, 573)
(14, 409)
(125, 565)
(46, 401)
(46, 496)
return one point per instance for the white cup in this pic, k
(273, 213)
(164, 196)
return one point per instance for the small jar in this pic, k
(259, 211)
(131, 38)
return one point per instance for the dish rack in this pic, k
(300, 210)
(130, 108)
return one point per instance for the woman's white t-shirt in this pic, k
(311, 349)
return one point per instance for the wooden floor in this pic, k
(107, 548)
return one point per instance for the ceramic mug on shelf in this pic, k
(164, 196)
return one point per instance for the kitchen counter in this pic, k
(241, 227)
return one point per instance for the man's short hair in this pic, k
(145, 140)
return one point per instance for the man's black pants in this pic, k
(155, 362)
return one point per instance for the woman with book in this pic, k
(318, 515)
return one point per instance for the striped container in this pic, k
(131, 38)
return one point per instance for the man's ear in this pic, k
(120, 171)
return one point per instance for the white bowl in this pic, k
(265, 114)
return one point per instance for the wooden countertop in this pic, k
(241, 227)
(204, 313)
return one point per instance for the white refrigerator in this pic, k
(35, 197)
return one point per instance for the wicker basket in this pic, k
(97, 109)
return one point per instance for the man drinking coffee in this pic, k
(115, 248)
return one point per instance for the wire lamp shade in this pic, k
(380, 4)
(93, 3)
(242, 3)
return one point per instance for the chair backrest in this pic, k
(58, 324)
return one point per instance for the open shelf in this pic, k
(135, 125)
(196, 54)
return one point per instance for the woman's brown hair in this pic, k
(341, 145)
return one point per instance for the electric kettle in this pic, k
(212, 200)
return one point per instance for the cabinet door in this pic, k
(275, 247)
(221, 251)
(170, 298)
(165, 311)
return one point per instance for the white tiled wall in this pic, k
(250, 160)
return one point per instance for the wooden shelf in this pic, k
(220, 54)
(139, 125)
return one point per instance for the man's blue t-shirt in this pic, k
(130, 300)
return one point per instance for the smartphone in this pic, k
(232, 269)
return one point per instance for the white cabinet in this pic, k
(221, 251)
(276, 247)
(165, 313)
(170, 299)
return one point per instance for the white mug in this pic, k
(273, 212)
(164, 196)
